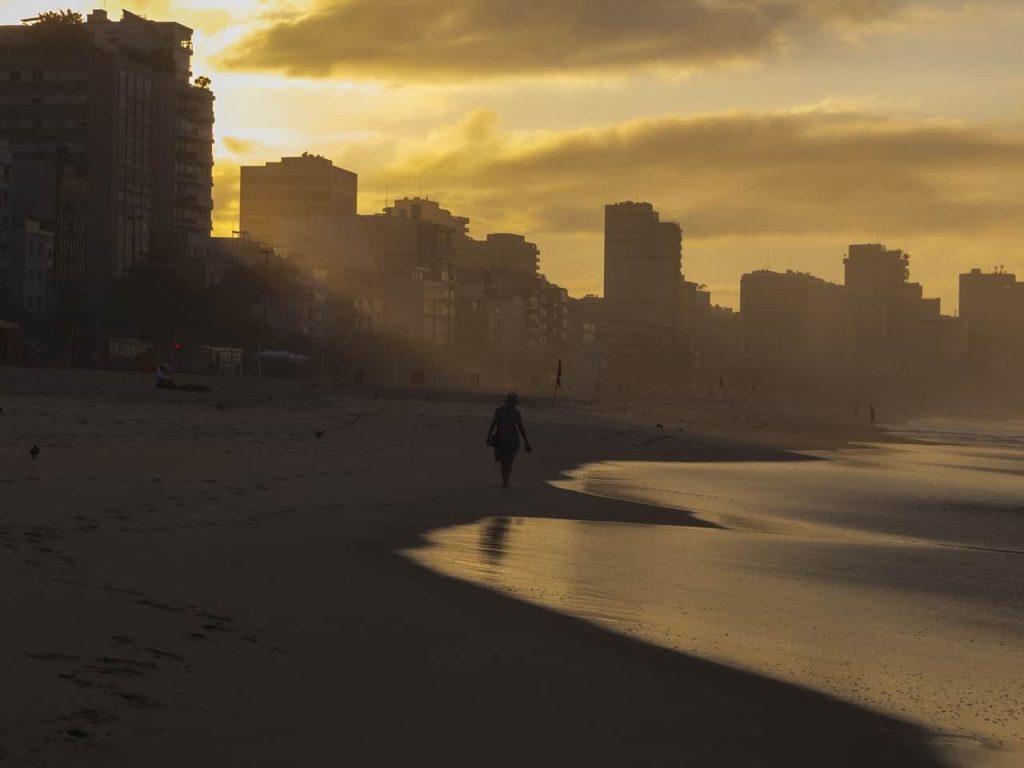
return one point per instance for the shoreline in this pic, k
(800, 581)
(191, 583)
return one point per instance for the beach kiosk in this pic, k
(281, 364)
(222, 361)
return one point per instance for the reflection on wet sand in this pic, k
(492, 538)
(849, 576)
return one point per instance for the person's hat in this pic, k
(512, 398)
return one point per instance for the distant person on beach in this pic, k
(163, 377)
(503, 435)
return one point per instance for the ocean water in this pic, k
(889, 575)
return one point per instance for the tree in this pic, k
(58, 30)
(66, 18)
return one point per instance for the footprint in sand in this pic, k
(71, 677)
(54, 657)
(162, 654)
(159, 606)
(137, 700)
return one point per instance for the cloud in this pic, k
(727, 175)
(797, 186)
(238, 146)
(466, 39)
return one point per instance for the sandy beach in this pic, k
(200, 580)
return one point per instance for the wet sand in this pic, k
(191, 579)
(888, 576)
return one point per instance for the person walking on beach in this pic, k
(503, 435)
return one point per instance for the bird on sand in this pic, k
(319, 433)
(34, 452)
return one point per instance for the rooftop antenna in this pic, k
(385, 197)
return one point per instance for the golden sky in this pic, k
(775, 131)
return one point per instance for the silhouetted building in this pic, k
(642, 278)
(466, 254)
(508, 315)
(794, 326)
(872, 268)
(642, 267)
(401, 278)
(992, 308)
(418, 307)
(280, 200)
(549, 316)
(511, 256)
(414, 233)
(885, 305)
(694, 313)
(425, 209)
(31, 249)
(986, 299)
(110, 103)
(720, 344)
(71, 248)
(584, 354)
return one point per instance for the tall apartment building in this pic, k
(874, 271)
(986, 299)
(511, 255)
(872, 268)
(795, 324)
(642, 266)
(642, 281)
(886, 303)
(111, 105)
(32, 257)
(425, 209)
(280, 200)
(992, 308)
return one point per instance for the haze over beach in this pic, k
(398, 382)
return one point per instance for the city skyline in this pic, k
(777, 140)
